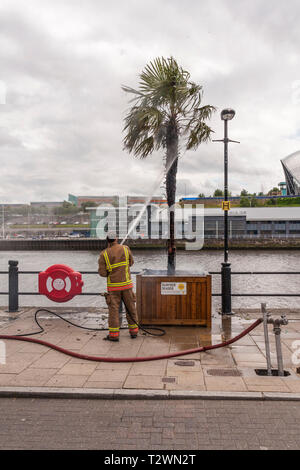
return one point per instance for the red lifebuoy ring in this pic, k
(60, 283)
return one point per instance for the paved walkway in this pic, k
(230, 369)
(148, 425)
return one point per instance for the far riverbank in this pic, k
(93, 244)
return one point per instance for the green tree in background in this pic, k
(66, 209)
(84, 205)
(253, 201)
(274, 191)
(244, 201)
(271, 202)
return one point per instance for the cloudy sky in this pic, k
(62, 107)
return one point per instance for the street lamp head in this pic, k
(227, 114)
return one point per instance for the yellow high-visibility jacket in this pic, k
(114, 263)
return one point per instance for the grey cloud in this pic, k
(64, 64)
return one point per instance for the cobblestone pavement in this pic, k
(148, 424)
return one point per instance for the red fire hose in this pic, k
(134, 359)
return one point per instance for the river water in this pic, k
(241, 260)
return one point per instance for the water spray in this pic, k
(157, 184)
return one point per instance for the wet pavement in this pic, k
(228, 369)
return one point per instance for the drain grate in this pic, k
(224, 372)
(169, 379)
(185, 363)
(264, 372)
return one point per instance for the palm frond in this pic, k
(198, 134)
(196, 127)
(165, 98)
(143, 127)
(128, 89)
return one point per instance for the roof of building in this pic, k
(251, 213)
(260, 213)
(46, 203)
(292, 163)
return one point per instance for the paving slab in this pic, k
(32, 365)
(232, 384)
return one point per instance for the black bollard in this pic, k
(226, 289)
(13, 286)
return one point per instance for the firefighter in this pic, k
(114, 263)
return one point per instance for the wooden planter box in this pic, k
(181, 299)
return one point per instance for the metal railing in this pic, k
(254, 236)
(13, 284)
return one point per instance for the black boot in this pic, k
(108, 338)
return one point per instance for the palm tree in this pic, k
(166, 108)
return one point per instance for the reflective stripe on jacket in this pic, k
(114, 263)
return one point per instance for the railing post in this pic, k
(226, 289)
(13, 286)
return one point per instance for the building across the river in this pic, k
(142, 223)
(115, 201)
(291, 168)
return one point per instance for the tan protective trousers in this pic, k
(113, 300)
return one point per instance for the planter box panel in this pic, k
(191, 308)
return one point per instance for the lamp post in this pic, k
(226, 115)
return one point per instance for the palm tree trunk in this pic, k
(171, 173)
